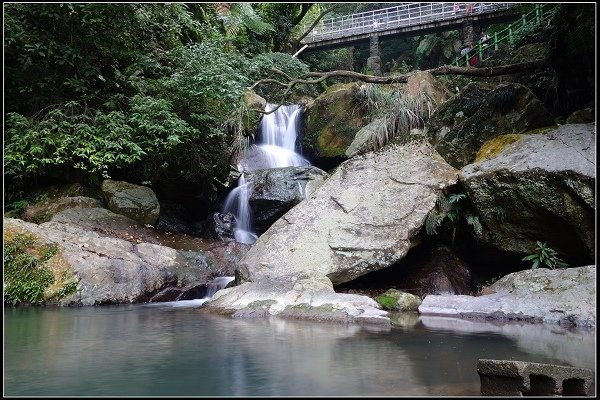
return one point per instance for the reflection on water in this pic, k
(152, 350)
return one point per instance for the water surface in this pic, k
(176, 349)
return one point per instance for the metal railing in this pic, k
(409, 14)
(539, 15)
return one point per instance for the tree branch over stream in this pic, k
(317, 77)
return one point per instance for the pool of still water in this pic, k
(177, 349)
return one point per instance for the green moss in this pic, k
(335, 118)
(387, 302)
(261, 304)
(25, 275)
(492, 147)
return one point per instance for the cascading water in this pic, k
(277, 133)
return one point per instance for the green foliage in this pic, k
(60, 52)
(544, 256)
(90, 140)
(262, 66)
(449, 208)
(25, 277)
(437, 49)
(237, 16)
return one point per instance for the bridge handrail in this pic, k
(538, 15)
(392, 17)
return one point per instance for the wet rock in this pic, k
(397, 300)
(136, 202)
(218, 226)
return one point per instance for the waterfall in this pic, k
(237, 203)
(276, 149)
(212, 287)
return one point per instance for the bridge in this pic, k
(408, 19)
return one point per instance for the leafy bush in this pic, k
(448, 208)
(25, 277)
(261, 67)
(544, 256)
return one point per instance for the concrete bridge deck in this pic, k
(408, 19)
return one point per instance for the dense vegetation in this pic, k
(140, 91)
(151, 93)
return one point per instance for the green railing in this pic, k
(537, 16)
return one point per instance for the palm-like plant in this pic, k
(545, 256)
(236, 16)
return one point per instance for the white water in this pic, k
(212, 287)
(278, 133)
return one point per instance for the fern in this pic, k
(432, 222)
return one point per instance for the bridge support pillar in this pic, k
(467, 33)
(374, 60)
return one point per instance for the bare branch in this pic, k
(316, 21)
(401, 78)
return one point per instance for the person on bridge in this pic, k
(484, 39)
(469, 8)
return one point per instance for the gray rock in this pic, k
(565, 297)
(539, 188)
(310, 298)
(520, 378)
(275, 191)
(136, 202)
(508, 108)
(342, 230)
(110, 270)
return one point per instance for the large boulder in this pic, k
(565, 297)
(538, 188)
(333, 120)
(342, 230)
(309, 298)
(110, 270)
(275, 191)
(422, 83)
(136, 202)
(508, 108)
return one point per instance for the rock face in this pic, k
(275, 191)
(538, 188)
(43, 212)
(508, 108)
(423, 82)
(342, 230)
(437, 271)
(333, 118)
(112, 270)
(218, 226)
(566, 297)
(136, 202)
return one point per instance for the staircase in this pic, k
(542, 13)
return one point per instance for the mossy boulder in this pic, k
(136, 202)
(457, 109)
(507, 109)
(35, 271)
(582, 116)
(397, 300)
(250, 119)
(333, 120)
(540, 187)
